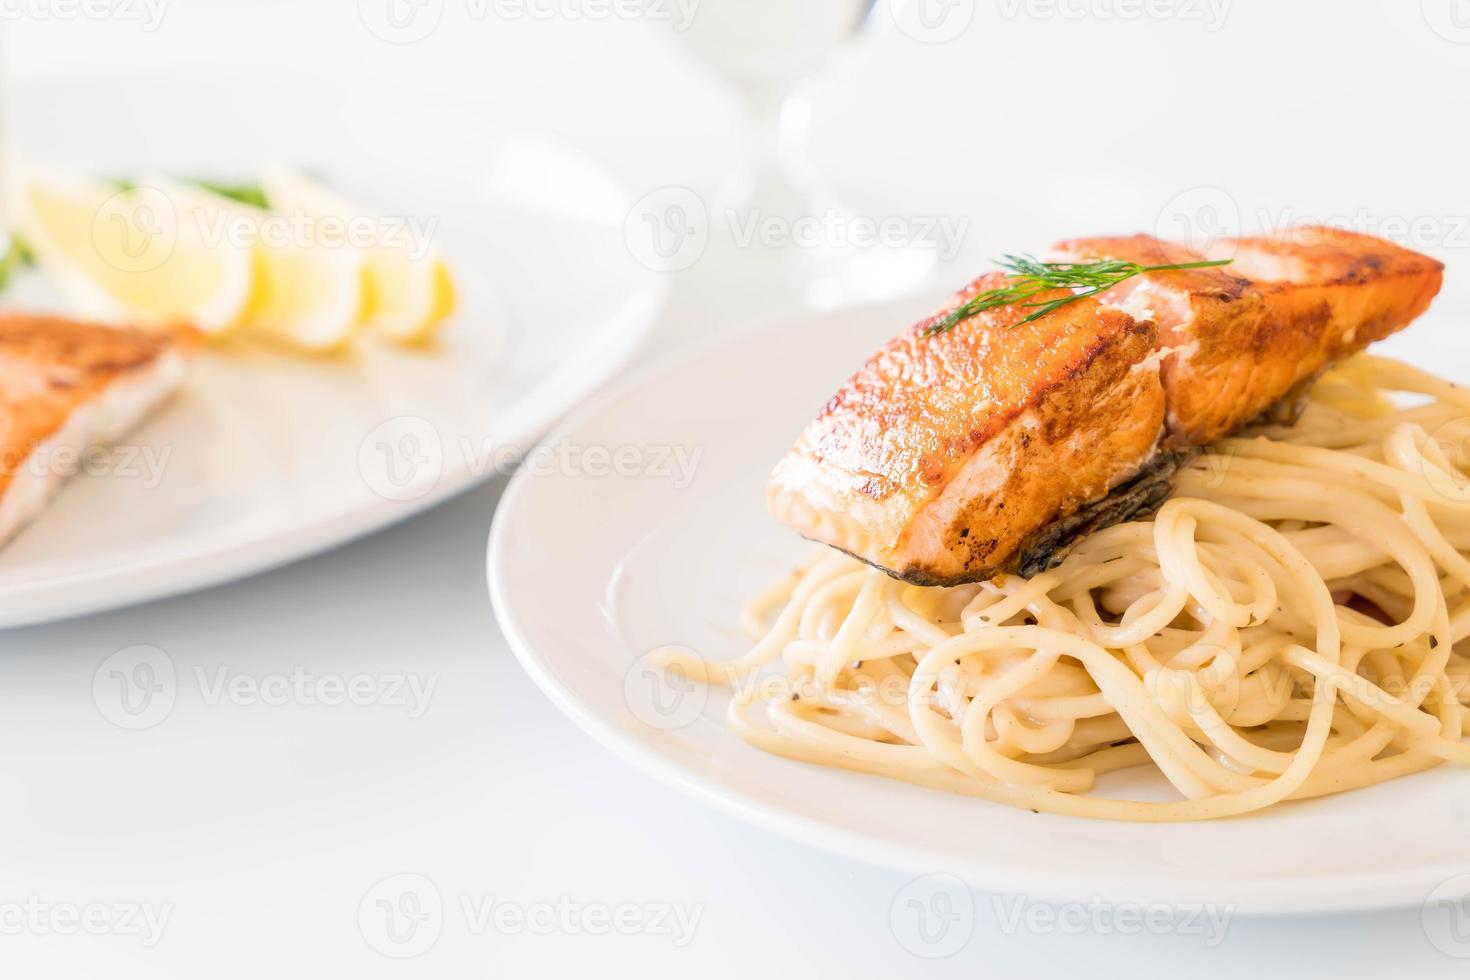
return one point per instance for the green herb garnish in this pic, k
(1030, 278)
(250, 194)
(244, 193)
(17, 254)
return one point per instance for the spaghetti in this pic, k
(1283, 628)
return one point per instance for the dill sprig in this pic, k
(1031, 277)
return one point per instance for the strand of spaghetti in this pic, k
(978, 614)
(1403, 450)
(982, 752)
(1372, 371)
(911, 622)
(1390, 533)
(769, 647)
(1360, 433)
(1342, 462)
(1181, 560)
(1164, 742)
(844, 645)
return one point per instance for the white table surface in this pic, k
(261, 831)
(259, 828)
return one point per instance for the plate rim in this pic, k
(1297, 896)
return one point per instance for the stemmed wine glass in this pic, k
(768, 51)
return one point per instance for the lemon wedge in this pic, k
(408, 289)
(307, 289)
(138, 254)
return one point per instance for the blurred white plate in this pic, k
(591, 569)
(263, 457)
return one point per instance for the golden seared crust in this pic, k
(1369, 287)
(1240, 336)
(49, 367)
(1084, 435)
(944, 453)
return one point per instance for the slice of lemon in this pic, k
(139, 254)
(408, 287)
(308, 289)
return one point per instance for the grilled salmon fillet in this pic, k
(993, 446)
(66, 387)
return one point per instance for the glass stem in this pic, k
(776, 184)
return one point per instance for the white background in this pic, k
(261, 829)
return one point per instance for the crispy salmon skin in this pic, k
(991, 447)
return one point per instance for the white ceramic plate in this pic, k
(266, 457)
(590, 570)
(263, 457)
